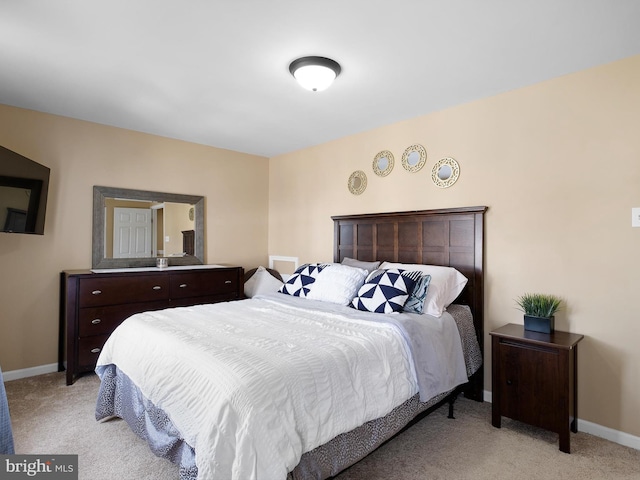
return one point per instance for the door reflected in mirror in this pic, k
(140, 229)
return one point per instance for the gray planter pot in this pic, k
(539, 324)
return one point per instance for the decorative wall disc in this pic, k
(445, 172)
(357, 182)
(383, 163)
(414, 158)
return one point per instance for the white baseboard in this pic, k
(591, 428)
(29, 372)
(610, 434)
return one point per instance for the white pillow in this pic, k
(352, 262)
(261, 282)
(445, 285)
(337, 283)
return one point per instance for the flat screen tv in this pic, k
(23, 193)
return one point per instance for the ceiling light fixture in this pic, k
(315, 73)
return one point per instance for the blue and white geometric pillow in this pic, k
(299, 284)
(417, 297)
(385, 291)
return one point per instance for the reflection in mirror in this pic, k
(383, 163)
(133, 227)
(414, 158)
(138, 229)
(445, 172)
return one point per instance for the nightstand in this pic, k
(535, 379)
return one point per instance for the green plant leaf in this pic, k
(539, 304)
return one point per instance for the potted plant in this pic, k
(539, 310)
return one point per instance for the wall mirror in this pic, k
(383, 163)
(133, 227)
(357, 182)
(414, 158)
(445, 172)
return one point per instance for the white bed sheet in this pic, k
(254, 384)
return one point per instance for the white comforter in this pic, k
(254, 384)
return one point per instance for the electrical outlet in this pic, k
(635, 217)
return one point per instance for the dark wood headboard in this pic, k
(451, 237)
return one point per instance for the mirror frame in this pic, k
(451, 179)
(383, 172)
(357, 175)
(99, 196)
(421, 151)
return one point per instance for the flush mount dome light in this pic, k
(315, 73)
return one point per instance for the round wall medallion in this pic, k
(414, 158)
(383, 163)
(357, 182)
(445, 172)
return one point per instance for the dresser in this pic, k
(535, 379)
(92, 305)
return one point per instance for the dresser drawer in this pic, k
(104, 320)
(119, 290)
(221, 282)
(89, 350)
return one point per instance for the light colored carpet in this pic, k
(50, 418)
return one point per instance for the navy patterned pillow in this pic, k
(417, 297)
(299, 284)
(385, 291)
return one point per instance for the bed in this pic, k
(305, 406)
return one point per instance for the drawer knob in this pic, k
(509, 382)
(183, 285)
(157, 287)
(96, 292)
(95, 350)
(96, 321)
(227, 281)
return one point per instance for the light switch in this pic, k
(166, 239)
(635, 217)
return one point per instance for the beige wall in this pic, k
(558, 165)
(81, 155)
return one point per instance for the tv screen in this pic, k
(23, 193)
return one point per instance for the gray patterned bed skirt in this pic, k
(119, 397)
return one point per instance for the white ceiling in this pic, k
(215, 72)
